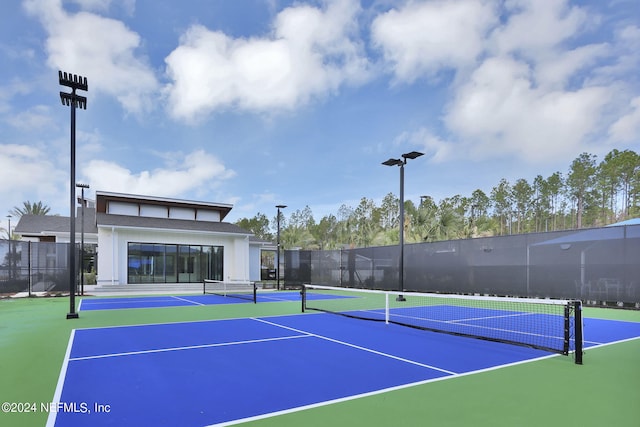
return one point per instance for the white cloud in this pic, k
(627, 127)
(104, 5)
(35, 118)
(311, 52)
(185, 173)
(515, 95)
(499, 111)
(625, 57)
(557, 69)
(27, 170)
(535, 27)
(426, 37)
(437, 149)
(103, 50)
(10, 90)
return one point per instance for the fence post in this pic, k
(29, 281)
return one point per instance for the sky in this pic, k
(257, 103)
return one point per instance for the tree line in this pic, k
(589, 194)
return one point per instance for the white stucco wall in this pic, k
(113, 243)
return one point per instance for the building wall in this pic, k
(113, 243)
(254, 263)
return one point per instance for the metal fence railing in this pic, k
(36, 267)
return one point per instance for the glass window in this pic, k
(159, 263)
(171, 263)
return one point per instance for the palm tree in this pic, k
(29, 208)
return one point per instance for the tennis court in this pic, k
(158, 301)
(223, 372)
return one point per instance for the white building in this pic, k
(145, 239)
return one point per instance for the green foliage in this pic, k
(590, 194)
(258, 225)
(29, 208)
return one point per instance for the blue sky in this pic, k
(264, 102)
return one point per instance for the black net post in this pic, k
(303, 296)
(255, 293)
(567, 328)
(578, 331)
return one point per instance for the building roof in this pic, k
(37, 225)
(106, 220)
(632, 221)
(103, 196)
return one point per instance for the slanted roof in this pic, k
(632, 221)
(102, 197)
(38, 225)
(126, 221)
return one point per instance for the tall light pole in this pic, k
(82, 187)
(278, 248)
(75, 82)
(401, 163)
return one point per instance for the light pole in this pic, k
(75, 82)
(278, 248)
(10, 251)
(82, 187)
(401, 163)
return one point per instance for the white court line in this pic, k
(189, 347)
(58, 391)
(391, 356)
(57, 395)
(127, 301)
(371, 393)
(189, 301)
(263, 296)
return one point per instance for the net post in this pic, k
(567, 328)
(386, 308)
(255, 293)
(204, 286)
(578, 331)
(303, 296)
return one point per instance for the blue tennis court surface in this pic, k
(179, 301)
(221, 372)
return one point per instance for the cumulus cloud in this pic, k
(500, 111)
(103, 50)
(28, 170)
(36, 118)
(535, 28)
(423, 38)
(429, 142)
(183, 174)
(627, 127)
(104, 5)
(532, 97)
(310, 52)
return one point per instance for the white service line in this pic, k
(187, 300)
(51, 419)
(189, 347)
(391, 356)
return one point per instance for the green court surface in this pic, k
(605, 391)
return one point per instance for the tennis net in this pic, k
(232, 289)
(550, 325)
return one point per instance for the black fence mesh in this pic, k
(599, 266)
(34, 267)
